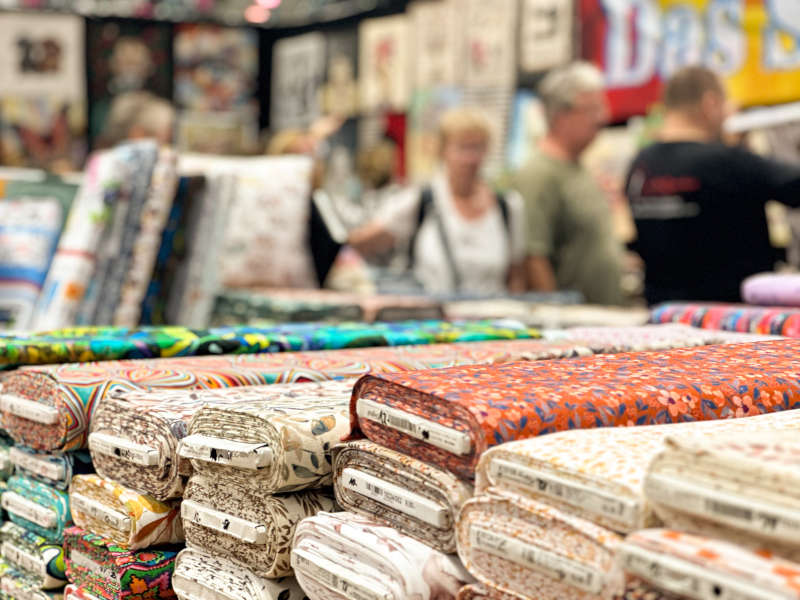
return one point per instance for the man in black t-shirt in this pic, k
(698, 204)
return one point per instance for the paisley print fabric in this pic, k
(299, 423)
(599, 474)
(33, 554)
(418, 499)
(55, 469)
(772, 289)
(109, 572)
(731, 317)
(743, 487)
(696, 568)
(127, 518)
(198, 574)
(26, 499)
(449, 417)
(72, 391)
(267, 555)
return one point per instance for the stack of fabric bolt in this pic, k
(772, 320)
(428, 429)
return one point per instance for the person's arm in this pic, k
(371, 238)
(540, 276)
(767, 178)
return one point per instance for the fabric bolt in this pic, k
(772, 320)
(743, 487)
(75, 592)
(34, 555)
(48, 408)
(697, 568)
(6, 466)
(585, 315)
(418, 499)
(772, 289)
(127, 518)
(201, 575)
(108, 572)
(37, 507)
(477, 591)
(599, 474)
(449, 417)
(266, 555)
(16, 584)
(297, 422)
(635, 589)
(344, 555)
(520, 546)
(42, 467)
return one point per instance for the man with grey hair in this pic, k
(570, 243)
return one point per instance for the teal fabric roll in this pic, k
(37, 507)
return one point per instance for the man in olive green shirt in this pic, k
(571, 243)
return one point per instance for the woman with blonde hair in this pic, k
(459, 234)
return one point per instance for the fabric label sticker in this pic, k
(334, 577)
(112, 445)
(451, 440)
(681, 577)
(225, 452)
(98, 510)
(24, 560)
(598, 502)
(28, 509)
(247, 531)
(723, 507)
(394, 496)
(28, 409)
(39, 466)
(196, 590)
(553, 565)
(87, 562)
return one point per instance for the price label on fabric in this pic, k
(681, 577)
(626, 512)
(28, 409)
(24, 560)
(335, 578)
(85, 561)
(247, 531)
(112, 445)
(225, 452)
(28, 509)
(724, 507)
(394, 496)
(39, 466)
(101, 512)
(191, 588)
(451, 440)
(553, 565)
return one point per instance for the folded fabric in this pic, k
(127, 518)
(55, 469)
(449, 417)
(107, 571)
(200, 575)
(743, 487)
(31, 553)
(37, 507)
(772, 289)
(477, 591)
(344, 555)
(523, 547)
(75, 592)
(280, 434)
(49, 408)
(16, 584)
(237, 520)
(731, 317)
(418, 499)
(599, 474)
(699, 568)
(585, 315)
(635, 589)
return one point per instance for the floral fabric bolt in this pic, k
(37, 507)
(339, 555)
(449, 417)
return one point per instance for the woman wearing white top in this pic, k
(463, 236)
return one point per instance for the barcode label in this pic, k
(36, 465)
(28, 509)
(110, 445)
(336, 578)
(85, 561)
(247, 531)
(28, 409)
(548, 563)
(394, 496)
(625, 512)
(750, 514)
(93, 508)
(435, 434)
(226, 452)
(24, 560)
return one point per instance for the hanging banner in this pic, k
(545, 38)
(754, 44)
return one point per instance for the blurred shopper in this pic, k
(458, 233)
(571, 244)
(698, 204)
(138, 115)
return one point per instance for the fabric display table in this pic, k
(772, 320)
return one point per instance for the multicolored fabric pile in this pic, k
(731, 317)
